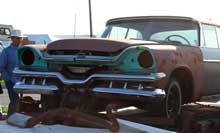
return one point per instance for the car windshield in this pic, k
(178, 31)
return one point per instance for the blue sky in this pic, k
(58, 16)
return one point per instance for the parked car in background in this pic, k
(154, 62)
(5, 32)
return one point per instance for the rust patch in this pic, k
(197, 118)
(100, 45)
(75, 118)
(27, 104)
(183, 57)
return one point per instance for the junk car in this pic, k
(155, 63)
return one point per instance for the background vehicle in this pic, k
(5, 32)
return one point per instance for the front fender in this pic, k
(171, 57)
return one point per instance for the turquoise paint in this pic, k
(38, 64)
(127, 63)
(130, 63)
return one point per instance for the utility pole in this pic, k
(90, 18)
(75, 26)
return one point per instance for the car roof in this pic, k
(124, 19)
(149, 17)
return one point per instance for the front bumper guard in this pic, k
(123, 77)
(34, 89)
(22, 87)
(155, 93)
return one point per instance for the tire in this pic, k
(173, 100)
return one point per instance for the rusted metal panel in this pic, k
(70, 117)
(100, 45)
(126, 127)
(135, 18)
(172, 57)
(199, 117)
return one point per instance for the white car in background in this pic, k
(5, 32)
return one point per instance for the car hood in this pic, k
(94, 44)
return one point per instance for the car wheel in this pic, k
(173, 99)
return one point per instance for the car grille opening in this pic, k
(83, 52)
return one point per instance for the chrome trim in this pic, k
(211, 61)
(200, 35)
(140, 87)
(110, 85)
(124, 77)
(39, 89)
(33, 81)
(125, 85)
(72, 58)
(155, 93)
(97, 60)
(44, 82)
(23, 81)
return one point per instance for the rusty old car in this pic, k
(155, 63)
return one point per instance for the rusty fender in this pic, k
(188, 58)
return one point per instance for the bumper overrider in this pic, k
(41, 87)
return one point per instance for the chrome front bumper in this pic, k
(155, 93)
(125, 77)
(43, 88)
(34, 89)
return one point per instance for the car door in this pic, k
(211, 59)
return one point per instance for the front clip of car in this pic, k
(131, 72)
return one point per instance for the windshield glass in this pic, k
(183, 32)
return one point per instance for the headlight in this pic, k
(145, 59)
(27, 57)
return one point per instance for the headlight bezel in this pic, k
(35, 62)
